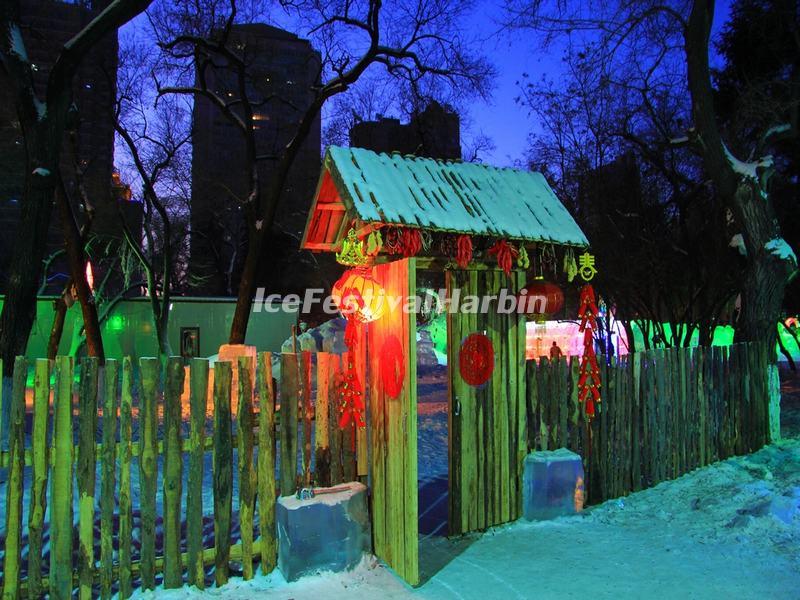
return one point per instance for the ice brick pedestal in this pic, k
(552, 484)
(330, 532)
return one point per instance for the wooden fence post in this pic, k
(223, 470)
(198, 400)
(247, 475)
(125, 455)
(16, 465)
(148, 457)
(61, 530)
(108, 477)
(322, 450)
(173, 473)
(266, 464)
(87, 419)
(290, 386)
(38, 506)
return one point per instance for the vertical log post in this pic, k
(223, 471)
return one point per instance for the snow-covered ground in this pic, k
(730, 530)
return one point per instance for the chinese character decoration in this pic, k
(360, 299)
(589, 378)
(586, 267)
(505, 253)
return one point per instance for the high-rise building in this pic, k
(88, 157)
(282, 71)
(434, 133)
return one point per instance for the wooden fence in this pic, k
(663, 413)
(114, 420)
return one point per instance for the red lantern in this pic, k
(361, 300)
(359, 296)
(541, 298)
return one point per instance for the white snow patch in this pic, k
(41, 172)
(737, 241)
(778, 247)
(41, 108)
(748, 170)
(16, 42)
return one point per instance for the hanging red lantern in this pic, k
(358, 296)
(360, 299)
(541, 298)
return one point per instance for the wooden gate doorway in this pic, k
(392, 411)
(487, 412)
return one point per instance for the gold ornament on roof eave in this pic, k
(352, 253)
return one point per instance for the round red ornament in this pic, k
(541, 298)
(476, 359)
(393, 367)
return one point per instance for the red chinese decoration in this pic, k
(393, 367)
(589, 379)
(476, 359)
(506, 253)
(542, 298)
(404, 241)
(463, 251)
(360, 299)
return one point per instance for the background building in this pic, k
(282, 69)
(435, 133)
(88, 157)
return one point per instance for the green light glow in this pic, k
(116, 323)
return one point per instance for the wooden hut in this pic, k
(432, 215)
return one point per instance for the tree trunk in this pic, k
(247, 288)
(19, 308)
(77, 266)
(766, 275)
(57, 330)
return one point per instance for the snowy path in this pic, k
(731, 530)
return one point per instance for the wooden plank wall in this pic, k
(663, 413)
(145, 428)
(393, 429)
(487, 424)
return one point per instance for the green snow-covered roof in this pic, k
(451, 196)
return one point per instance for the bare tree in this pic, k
(412, 42)
(156, 140)
(43, 121)
(655, 51)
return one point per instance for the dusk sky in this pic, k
(513, 54)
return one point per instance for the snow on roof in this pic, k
(451, 196)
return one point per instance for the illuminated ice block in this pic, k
(329, 532)
(552, 484)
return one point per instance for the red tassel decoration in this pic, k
(589, 380)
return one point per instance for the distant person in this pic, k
(555, 351)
